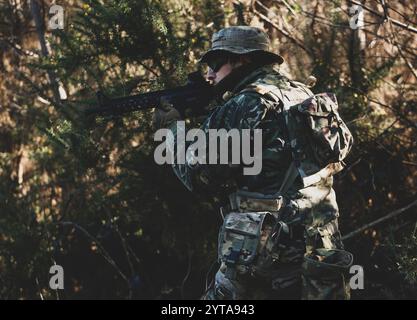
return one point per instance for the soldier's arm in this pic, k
(244, 111)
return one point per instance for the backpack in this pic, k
(319, 138)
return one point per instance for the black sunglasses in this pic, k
(216, 63)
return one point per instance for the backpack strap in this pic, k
(289, 179)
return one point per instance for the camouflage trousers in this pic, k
(265, 259)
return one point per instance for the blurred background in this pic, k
(91, 198)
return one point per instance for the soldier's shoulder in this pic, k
(270, 80)
(245, 101)
(277, 85)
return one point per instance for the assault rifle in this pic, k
(195, 95)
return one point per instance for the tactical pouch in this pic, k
(325, 275)
(281, 253)
(239, 240)
(244, 201)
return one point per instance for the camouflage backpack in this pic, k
(320, 139)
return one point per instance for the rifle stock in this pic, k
(195, 95)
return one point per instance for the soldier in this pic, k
(280, 237)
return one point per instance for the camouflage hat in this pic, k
(241, 40)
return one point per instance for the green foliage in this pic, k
(90, 197)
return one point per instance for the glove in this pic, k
(165, 115)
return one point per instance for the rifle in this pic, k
(195, 95)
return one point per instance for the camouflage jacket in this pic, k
(243, 108)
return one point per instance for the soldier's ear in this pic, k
(240, 60)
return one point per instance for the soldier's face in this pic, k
(220, 67)
(215, 77)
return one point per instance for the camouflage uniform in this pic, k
(272, 245)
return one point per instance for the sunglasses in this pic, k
(216, 63)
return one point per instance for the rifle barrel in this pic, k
(188, 96)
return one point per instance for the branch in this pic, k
(396, 43)
(187, 275)
(395, 111)
(18, 48)
(280, 30)
(290, 9)
(103, 251)
(44, 49)
(384, 218)
(396, 22)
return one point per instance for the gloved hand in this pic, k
(165, 115)
(289, 213)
